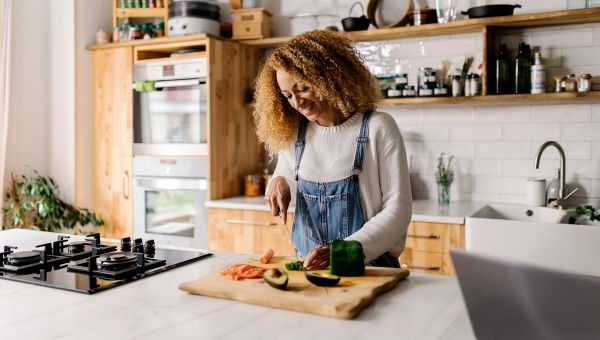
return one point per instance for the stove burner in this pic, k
(76, 247)
(22, 258)
(117, 260)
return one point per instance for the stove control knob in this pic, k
(138, 245)
(126, 244)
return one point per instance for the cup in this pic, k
(536, 192)
(446, 10)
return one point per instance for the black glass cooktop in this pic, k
(89, 266)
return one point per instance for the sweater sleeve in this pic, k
(388, 228)
(285, 168)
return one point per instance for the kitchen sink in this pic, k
(534, 235)
(516, 212)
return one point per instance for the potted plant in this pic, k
(32, 202)
(444, 177)
(585, 214)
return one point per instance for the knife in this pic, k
(289, 237)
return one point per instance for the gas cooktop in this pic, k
(89, 266)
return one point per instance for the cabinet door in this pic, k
(113, 139)
(248, 232)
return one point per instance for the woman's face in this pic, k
(304, 100)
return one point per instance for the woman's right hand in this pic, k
(278, 197)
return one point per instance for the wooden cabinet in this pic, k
(113, 139)
(428, 245)
(248, 231)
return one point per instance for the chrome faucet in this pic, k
(561, 191)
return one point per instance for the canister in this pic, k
(535, 192)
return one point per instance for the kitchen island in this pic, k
(422, 307)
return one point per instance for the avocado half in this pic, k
(276, 278)
(322, 279)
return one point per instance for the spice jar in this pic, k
(252, 185)
(584, 83)
(468, 85)
(401, 81)
(559, 83)
(571, 83)
(135, 32)
(158, 30)
(425, 91)
(409, 91)
(423, 76)
(394, 93)
(456, 85)
(440, 90)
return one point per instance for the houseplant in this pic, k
(33, 202)
(444, 176)
(585, 214)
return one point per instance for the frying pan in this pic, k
(490, 11)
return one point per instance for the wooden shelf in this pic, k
(568, 17)
(139, 12)
(496, 99)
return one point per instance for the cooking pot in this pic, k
(356, 23)
(490, 11)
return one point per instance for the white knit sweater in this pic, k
(384, 182)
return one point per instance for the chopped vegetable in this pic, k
(346, 258)
(295, 265)
(267, 256)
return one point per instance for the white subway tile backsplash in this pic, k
(450, 115)
(486, 167)
(595, 188)
(499, 185)
(502, 114)
(425, 132)
(583, 169)
(596, 151)
(580, 37)
(519, 168)
(502, 150)
(581, 56)
(458, 149)
(596, 113)
(512, 199)
(597, 36)
(584, 187)
(475, 132)
(581, 132)
(404, 116)
(524, 132)
(561, 113)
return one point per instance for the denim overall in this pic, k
(331, 210)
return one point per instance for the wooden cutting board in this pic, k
(343, 301)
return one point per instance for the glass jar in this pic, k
(425, 91)
(123, 4)
(456, 86)
(468, 85)
(409, 91)
(116, 34)
(159, 30)
(394, 93)
(584, 83)
(423, 76)
(252, 185)
(401, 81)
(144, 3)
(474, 84)
(571, 83)
(440, 90)
(159, 3)
(135, 32)
(559, 83)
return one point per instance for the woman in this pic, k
(344, 164)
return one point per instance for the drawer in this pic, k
(421, 261)
(248, 29)
(433, 237)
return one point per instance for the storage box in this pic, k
(251, 23)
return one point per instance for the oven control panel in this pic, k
(171, 69)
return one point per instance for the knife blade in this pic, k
(289, 237)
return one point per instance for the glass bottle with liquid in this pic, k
(503, 71)
(522, 70)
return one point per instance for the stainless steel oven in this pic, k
(168, 200)
(170, 107)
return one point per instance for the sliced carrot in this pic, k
(267, 256)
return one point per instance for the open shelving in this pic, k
(119, 13)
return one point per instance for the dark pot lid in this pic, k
(194, 9)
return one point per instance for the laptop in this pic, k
(510, 300)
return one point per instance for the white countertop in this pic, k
(423, 210)
(421, 307)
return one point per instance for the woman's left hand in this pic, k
(317, 258)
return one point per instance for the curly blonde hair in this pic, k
(326, 61)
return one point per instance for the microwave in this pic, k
(170, 107)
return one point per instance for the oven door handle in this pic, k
(161, 84)
(161, 183)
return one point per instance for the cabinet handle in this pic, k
(264, 224)
(125, 184)
(410, 266)
(433, 237)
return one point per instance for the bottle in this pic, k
(467, 92)
(538, 75)
(456, 85)
(502, 71)
(553, 188)
(474, 84)
(522, 70)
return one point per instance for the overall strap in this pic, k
(361, 144)
(300, 146)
